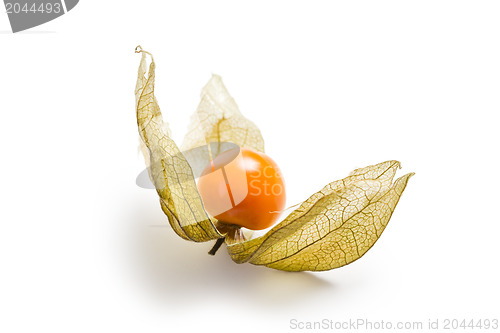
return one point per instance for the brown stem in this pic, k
(217, 245)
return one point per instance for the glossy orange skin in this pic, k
(248, 190)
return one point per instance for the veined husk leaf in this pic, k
(332, 228)
(167, 167)
(218, 119)
(216, 126)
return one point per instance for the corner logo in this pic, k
(25, 14)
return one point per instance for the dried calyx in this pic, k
(332, 228)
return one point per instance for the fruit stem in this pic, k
(217, 245)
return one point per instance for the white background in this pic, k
(332, 85)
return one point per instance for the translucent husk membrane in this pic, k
(332, 228)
